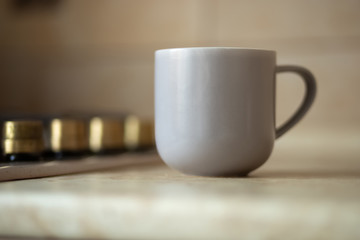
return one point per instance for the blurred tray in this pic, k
(27, 170)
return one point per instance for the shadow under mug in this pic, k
(215, 108)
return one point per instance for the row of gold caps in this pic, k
(97, 134)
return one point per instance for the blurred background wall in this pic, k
(62, 55)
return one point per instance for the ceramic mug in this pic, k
(215, 108)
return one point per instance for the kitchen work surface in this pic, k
(309, 189)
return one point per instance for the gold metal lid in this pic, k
(139, 133)
(22, 130)
(23, 137)
(68, 135)
(106, 133)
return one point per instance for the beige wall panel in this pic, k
(279, 19)
(91, 23)
(100, 87)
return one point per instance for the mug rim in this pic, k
(215, 48)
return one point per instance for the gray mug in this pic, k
(215, 108)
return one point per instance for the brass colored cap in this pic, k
(139, 133)
(22, 130)
(23, 137)
(106, 133)
(68, 135)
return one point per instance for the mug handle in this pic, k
(310, 93)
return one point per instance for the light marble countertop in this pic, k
(305, 191)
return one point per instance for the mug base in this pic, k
(221, 175)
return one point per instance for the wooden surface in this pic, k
(308, 189)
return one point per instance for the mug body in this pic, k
(215, 109)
